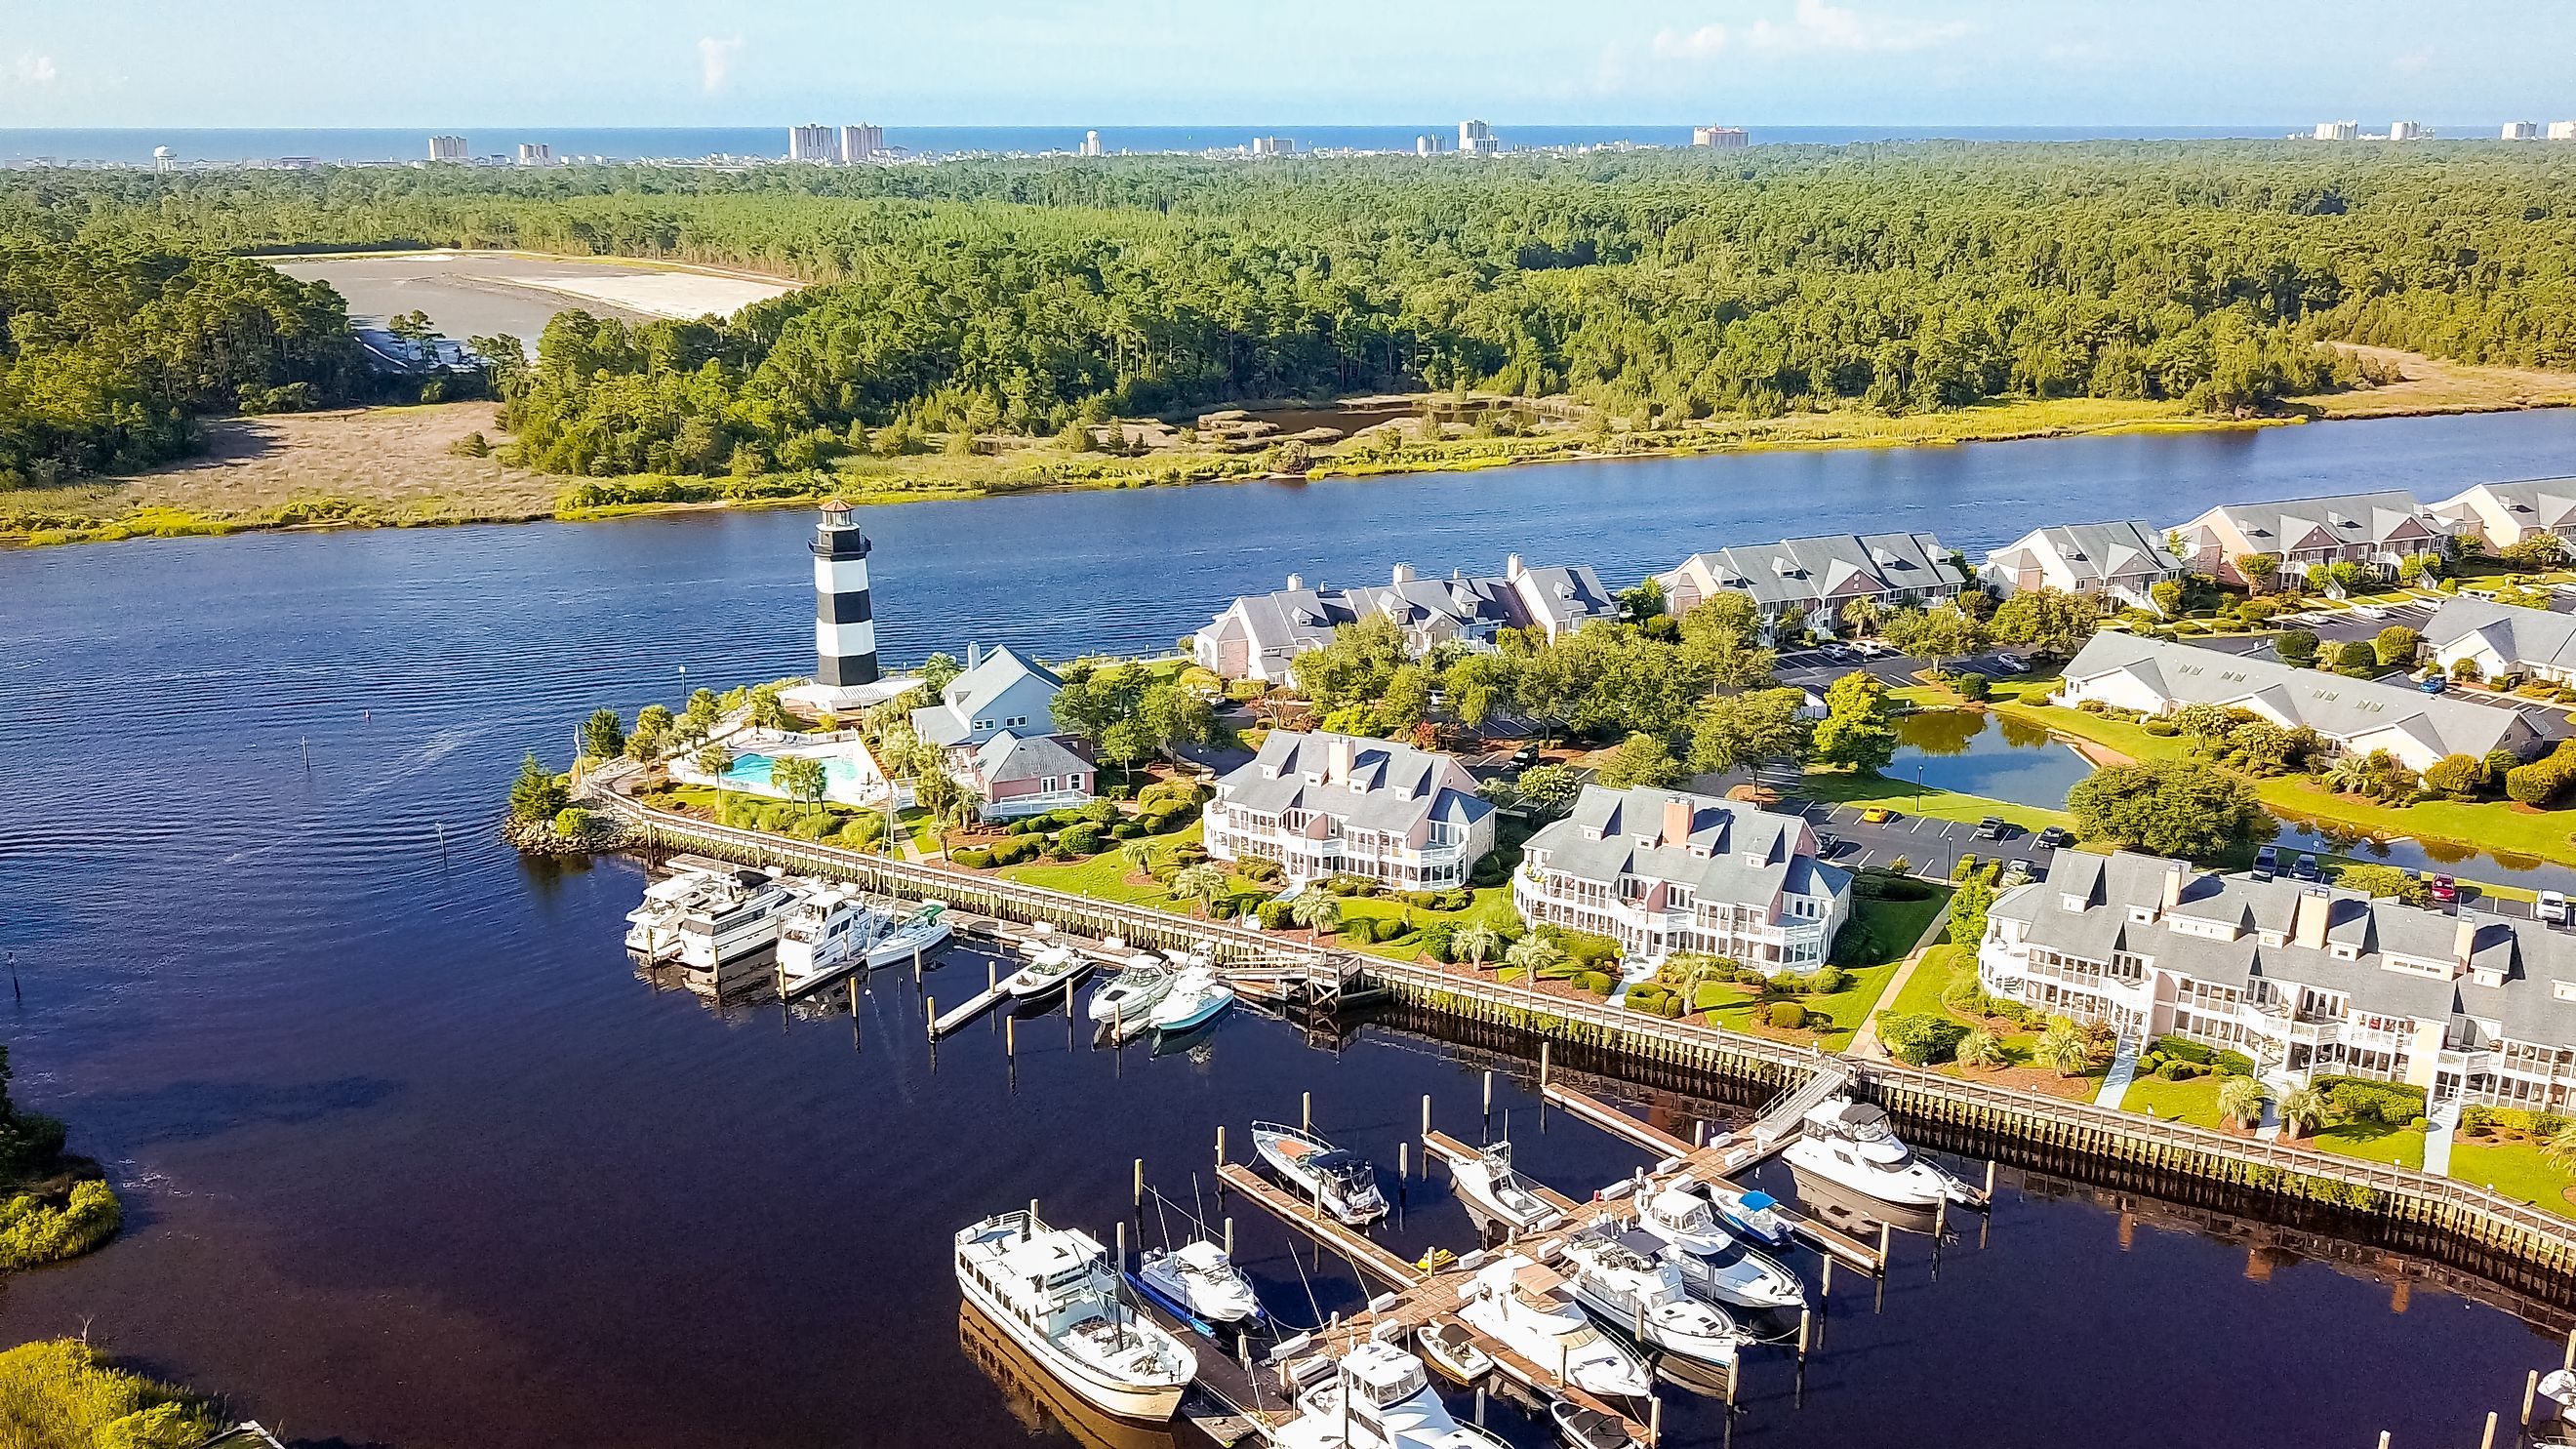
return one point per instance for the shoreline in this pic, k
(168, 522)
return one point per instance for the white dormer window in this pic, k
(2139, 914)
(2343, 952)
(2070, 902)
(2562, 990)
(1753, 858)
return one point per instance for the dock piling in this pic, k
(1403, 1162)
(1990, 1179)
(1828, 1290)
(2530, 1393)
(2488, 1440)
(1010, 1036)
(1426, 1131)
(930, 1017)
(1542, 1066)
(854, 996)
(1489, 1096)
(1229, 1237)
(1886, 1232)
(1655, 1420)
(1480, 1406)
(1220, 1144)
(1140, 1184)
(1305, 1111)
(2570, 1363)
(1122, 1245)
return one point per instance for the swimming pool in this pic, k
(843, 779)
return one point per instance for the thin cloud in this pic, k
(1705, 43)
(1815, 25)
(716, 61)
(37, 70)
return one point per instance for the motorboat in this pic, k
(1342, 1183)
(1850, 1143)
(1039, 1401)
(837, 930)
(2554, 1418)
(737, 915)
(1713, 1264)
(1374, 1397)
(1750, 1213)
(1196, 996)
(1130, 994)
(1451, 1350)
(1053, 965)
(1495, 1192)
(653, 927)
(1053, 1291)
(1196, 1280)
(1532, 1311)
(1623, 1278)
(1583, 1428)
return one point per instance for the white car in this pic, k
(2552, 908)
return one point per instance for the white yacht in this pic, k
(1197, 995)
(1053, 965)
(1851, 1143)
(1713, 1264)
(1342, 1183)
(1198, 1281)
(837, 930)
(1375, 1397)
(1495, 1192)
(738, 915)
(1133, 991)
(1531, 1311)
(1625, 1280)
(1054, 1292)
(653, 927)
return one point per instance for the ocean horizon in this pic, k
(135, 145)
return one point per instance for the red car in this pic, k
(2446, 891)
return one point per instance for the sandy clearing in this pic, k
(657, 294)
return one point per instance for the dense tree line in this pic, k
(1030, 294)
(110, 349)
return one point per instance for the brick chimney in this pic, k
(1677, 822)
(2308, 919)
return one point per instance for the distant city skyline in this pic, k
(267, 63)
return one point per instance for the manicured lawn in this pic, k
(1894, 925)
(2515, 1169)
(2194, 1101)
(1104, 876)
(2372, 1141)
(1845, 1009)
(1836, 787)
(1940, 966)
(2495, 826)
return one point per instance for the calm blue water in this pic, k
(1976, 753)
(413, 1159)
(625, 143)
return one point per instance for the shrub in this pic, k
(1126, 830)
(1267, 872)
(1786, 1015)
(33, 1231)
(2161, 728)
(861, 832)
(2362, 1100)
(1100, 812)
(2234, 1064)
(1083, 839)
(1831, 980)
(1275, 917)
(572, 822)
(1919, 1039)
(2535, 783)
(1457, 900)
(972, 859)
(2182, 1049)
(1972, 685)
(1967, 996)
(1596, 982)
(2179, 1071)
(2458, 776)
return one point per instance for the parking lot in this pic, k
(1931, 847)
(1815, 669)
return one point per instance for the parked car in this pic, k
(1525, 755)
(2017, 873)
(1990, 828)
(1877, 815)
(2552, 908)
(2267, 857)
(2013, 662)
(2446, 891)
(2307, 869)
(2053, 837)
(2434, 684)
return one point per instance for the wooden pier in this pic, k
(1452, 1151)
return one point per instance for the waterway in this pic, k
(412, 1159)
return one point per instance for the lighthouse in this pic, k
(845, 634)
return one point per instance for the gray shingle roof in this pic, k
(1831, 567)
(2338, 707)
(1296, 620)
(1733, 852)
(951, 720)
(2102, 552)
(2517, 635)
(1388, 787)
(1007, 756)
(2343, 518)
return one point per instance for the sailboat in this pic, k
(1375, 1397)
(1495, 1192)
(1531, 1311)
(1342, 1183)
(1851, 1143)
(1624, 1279)
(1713, 1264)
(1054, 1293)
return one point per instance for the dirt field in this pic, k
(394, 459)
(2443, 387)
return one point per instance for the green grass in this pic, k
(1940, 966)
(1104, 876)
(1845, 1010)
(2194, 1101)
(61, 1391)
(2515, 1169)
(923, 828)
(2371, 1141)
(1836, 787)
(1896, 925)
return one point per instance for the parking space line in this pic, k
(1864, 859)
(1946, 829)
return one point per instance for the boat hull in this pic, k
(1154, 1404)
(1913, 1189)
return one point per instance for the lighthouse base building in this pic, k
(846, 676)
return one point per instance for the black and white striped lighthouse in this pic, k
(845, 636)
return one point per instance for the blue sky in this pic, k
(1138, 62)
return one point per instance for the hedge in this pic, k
(2362, 1099)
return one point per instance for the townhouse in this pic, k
(2379, 531)
(1819, 576)
(2503, 514)
(1259, 636)
(2501, 639)
(996, 723)
(2304, 979)
(2117, 563)
(1661, 871)
(2131, 671)
(1329, 804)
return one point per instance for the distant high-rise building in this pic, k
(2521, 131)
(446, 148)
(1478, 139)
(536, 153)
(861, 143)
(2562, 130)
(1091, 143)
(164, 159)
(2337, 130)
(1273, 146)
(809, 143)
(1723, 138)
(1429, 145)
(2407, 131)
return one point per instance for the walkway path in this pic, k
(2124, 1070)
(2437, 1139)
(1864, 1043)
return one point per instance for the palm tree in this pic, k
(1472, 944)
(1533, 954)
(2559, 1149)
(1137, 856)
(2349, 774)
(2240, 1100)
(1203, 882)
(1316, 910)
(1980, 1048)
(2063, 1048)
(2305, 1111)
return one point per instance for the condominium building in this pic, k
(1091, 143)
(2520, 131)
(1327, 804)
(2119, 563)
(536, 153)
(2408, 131)
(810, 143)
(2304, 979)
(2376, 530)
(1273, 146)
(2501, 639)
(447, 148)
(1819, 576)
(2337, 130)
(2562, 130)
(1723, 138)
(1475, 138)
(2501, 515)
(1259, 636)
(861, 143)
(1661, 871)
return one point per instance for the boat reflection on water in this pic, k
(1856, 1212)
(1192, 1043)
(1038, 1401)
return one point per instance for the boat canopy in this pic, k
(1202, 1255)
(1757, 1201)
(1640, 1242)
(1342, 1166)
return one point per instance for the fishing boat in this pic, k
(1343, 1183)
(1532, 1311)
(1449, 1348)
(1713, 1264)
(1053, 966)
(1040, 1401)
(1052, 1290)
(1197, 1280)
(1623, 1278)
(1195, 996)
(1495, 1192)
(1583, 1428)
(1133, 991)
(1850, 1143)
(1750, 1213)
(1374, 1397)
(837, 930)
